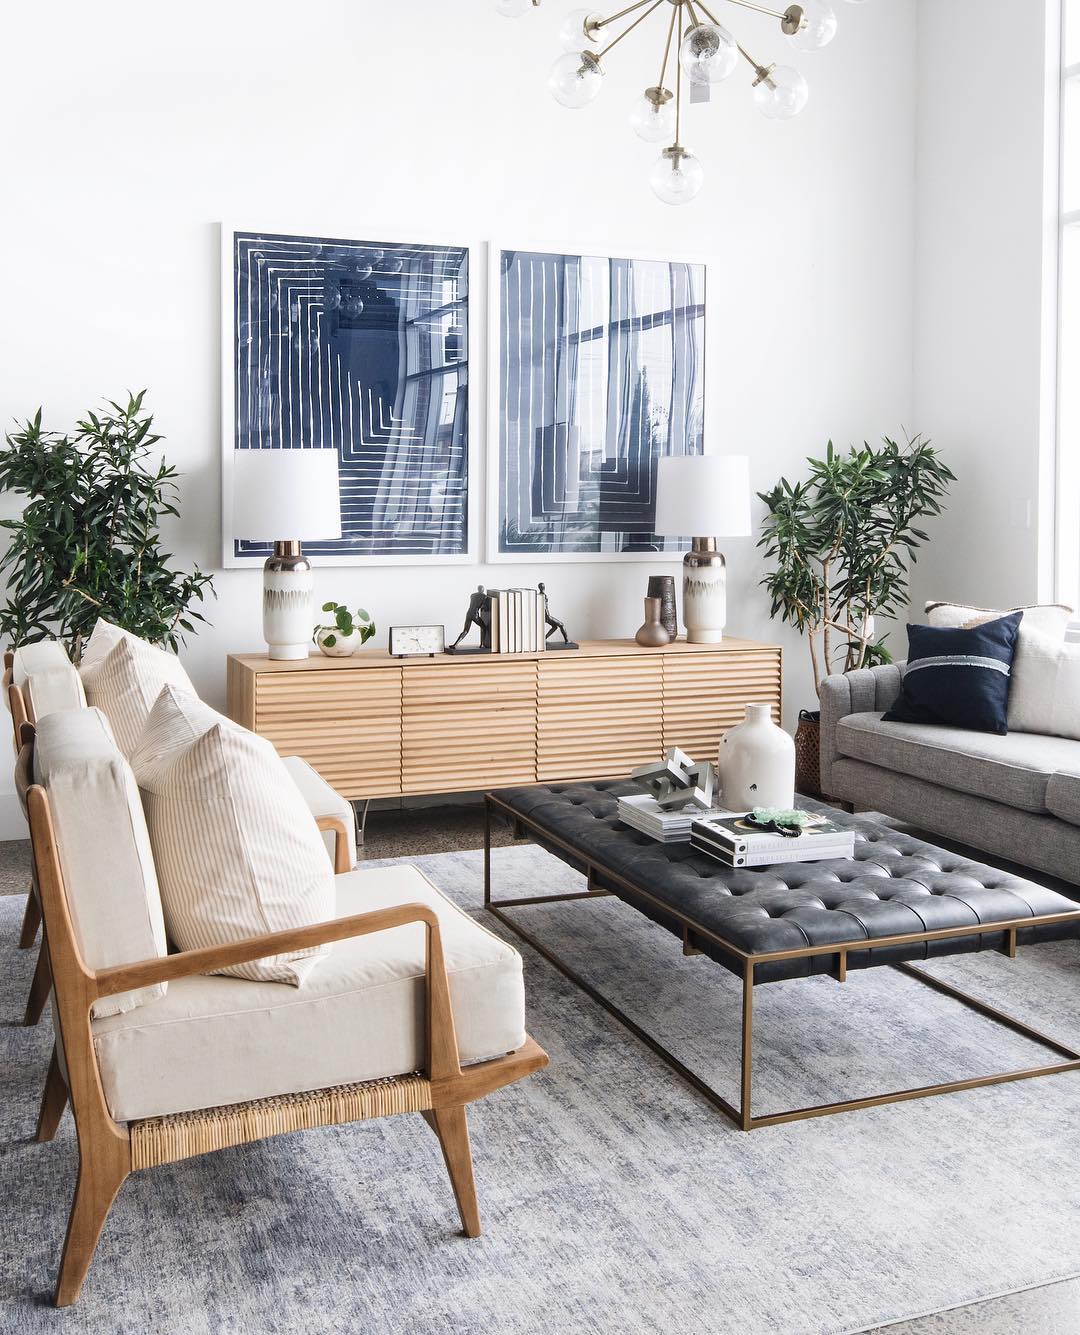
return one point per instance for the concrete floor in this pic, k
(1051, 1310)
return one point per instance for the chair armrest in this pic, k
(864, 691)
(325, 803)
(342, 843)
(442, 1039)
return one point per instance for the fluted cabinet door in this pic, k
(346, 725)
(597, 718)
(468, 726)
(706, 694)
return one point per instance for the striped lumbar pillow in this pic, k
(236, 849)
(959, 678)
(123, 676)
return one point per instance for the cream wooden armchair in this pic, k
(87, 1073)
(39, 679)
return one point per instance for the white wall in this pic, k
(986, 237)
(132, 129)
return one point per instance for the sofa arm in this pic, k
(864, 691)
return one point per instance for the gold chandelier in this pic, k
(697, 50)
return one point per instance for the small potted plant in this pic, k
(346, 634)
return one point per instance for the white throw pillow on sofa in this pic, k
(123, 676)
(1044, 692)
(1046, 618)
(236, 848)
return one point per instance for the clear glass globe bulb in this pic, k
(676, 178)
(653, 122)
(513, 9)
(573, 34)
(783, 94)
(575, 80)
(708, 53)
(819, 28)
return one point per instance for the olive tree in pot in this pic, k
(87, 542)
(841, 542)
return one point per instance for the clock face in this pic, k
(405, 640)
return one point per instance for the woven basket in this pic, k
(808, 754)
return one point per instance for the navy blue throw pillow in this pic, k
(958, 677)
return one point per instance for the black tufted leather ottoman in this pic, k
(898, 899)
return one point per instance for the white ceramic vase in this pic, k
(344, 646)
(757, 763)
(288, 609)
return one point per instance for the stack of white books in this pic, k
(518, 621)
(731, 840)
(668, 827)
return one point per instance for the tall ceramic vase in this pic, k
(757, 763)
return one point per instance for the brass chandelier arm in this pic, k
(762, 71)
(667, 48)
(678, 84)
(627, 31)
(614, 18)
(749, 4)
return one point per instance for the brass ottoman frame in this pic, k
(743, 1115)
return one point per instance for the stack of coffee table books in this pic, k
(644, 813)
(731, 840)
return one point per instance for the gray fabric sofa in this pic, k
(1016, 796)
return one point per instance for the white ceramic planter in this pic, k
(757, 763)
(344, 646)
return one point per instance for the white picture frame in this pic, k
(231, 560)
(495, 404)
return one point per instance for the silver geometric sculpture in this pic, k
(676, 781)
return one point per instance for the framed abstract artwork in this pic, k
(596, 371)
(361, 346)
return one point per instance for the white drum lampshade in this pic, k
(287, 497)
(704, 497)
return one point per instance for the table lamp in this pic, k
(699, 495)
(287, 497)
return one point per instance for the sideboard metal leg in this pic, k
(360, 814)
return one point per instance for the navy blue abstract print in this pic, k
(360, 346)
(601, 373)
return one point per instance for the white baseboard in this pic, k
(12, 820)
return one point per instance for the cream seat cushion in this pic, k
(45, 656)
(57, 688)
(322, 800)
(104, 847)
(361, 1015)
(236, 849)
(123, 676)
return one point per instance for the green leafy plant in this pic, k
(87, 542)
(842, 541)
(344, 623)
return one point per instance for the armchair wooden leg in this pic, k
(39, 988)
(31, 922)
(53, 1101)
(101, 1176)
(452, 1128)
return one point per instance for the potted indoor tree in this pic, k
(87, 543)
(841, 542)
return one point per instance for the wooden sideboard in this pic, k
(376, 726)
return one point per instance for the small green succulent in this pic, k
(345, 622)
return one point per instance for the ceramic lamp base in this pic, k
(288, 602)
(704, 593)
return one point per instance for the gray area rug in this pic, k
(614, 1199)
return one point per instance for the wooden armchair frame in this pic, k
(109, 1150)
